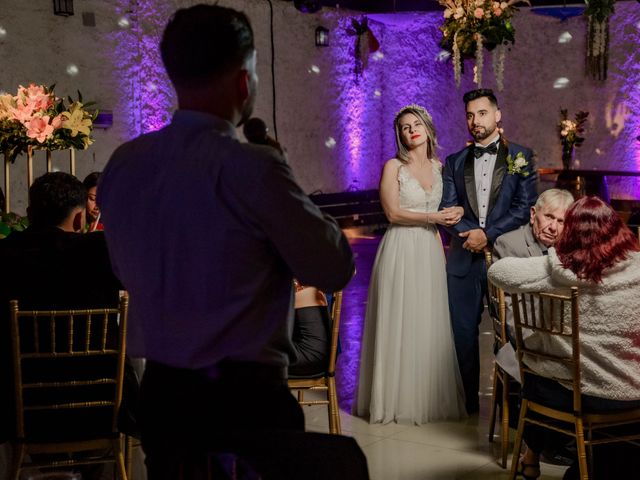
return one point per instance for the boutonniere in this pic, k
(517, 166)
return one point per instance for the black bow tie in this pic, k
(491, 149)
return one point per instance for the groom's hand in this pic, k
(476, 240)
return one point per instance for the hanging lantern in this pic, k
(322, 37)
(64, 8)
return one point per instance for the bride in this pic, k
(408, 367)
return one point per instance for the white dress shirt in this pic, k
(483, 171)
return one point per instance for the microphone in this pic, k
(256, 131)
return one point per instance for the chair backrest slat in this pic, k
(552, 315)
(43, 384)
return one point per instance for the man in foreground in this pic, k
(206, 234)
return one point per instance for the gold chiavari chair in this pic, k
(501, 379)
(327, 380)
(557, 316)
(68, 373)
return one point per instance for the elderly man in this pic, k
(542, 231)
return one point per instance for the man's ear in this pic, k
(498, 116)
(533, 214)
(243, 84)
(78, 221)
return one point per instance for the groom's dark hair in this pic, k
(479, 93)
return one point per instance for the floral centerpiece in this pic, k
(36, 118)
(570, 132)
(472, 25)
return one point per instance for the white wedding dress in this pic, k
(408, 367)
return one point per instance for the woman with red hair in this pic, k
(597, 253)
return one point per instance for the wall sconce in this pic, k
(64, 8)
(322, 37)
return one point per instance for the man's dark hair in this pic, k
(91, 180)
(204, 41)
(53, 196)
(479, 93)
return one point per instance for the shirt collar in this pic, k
(195, 118)
(495, 139)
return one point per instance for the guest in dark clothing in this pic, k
(52, 265)
(311, 332)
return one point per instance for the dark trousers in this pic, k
(550, 393)
(184, 414)
(466, 296)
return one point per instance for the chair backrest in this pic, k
(552, 315)
(336, 312)
(68, 371)
(497, 308)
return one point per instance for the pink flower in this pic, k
(497, 11)
(22, 113)
(478, 12)
(56, 123)
(39, 128)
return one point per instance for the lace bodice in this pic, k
(415, 198)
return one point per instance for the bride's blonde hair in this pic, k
(402, 153)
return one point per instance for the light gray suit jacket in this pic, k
(518, 243)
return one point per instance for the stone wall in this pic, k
(335, 126)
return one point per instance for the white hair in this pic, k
(554, 198)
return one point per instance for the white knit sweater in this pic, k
(609, 321)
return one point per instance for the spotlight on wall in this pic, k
(307, 6)
(322, 37)
(64, 8)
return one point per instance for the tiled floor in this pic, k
(451, 450)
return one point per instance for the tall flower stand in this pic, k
(30, 156)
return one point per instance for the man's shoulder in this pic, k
(513, 243)
(459, 154)
(517, 234)
(515, 147)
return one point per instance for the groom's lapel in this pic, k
(499, 170)
(470, 181)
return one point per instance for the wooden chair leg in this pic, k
(494, 403)
(128, 455)
(120, 463)
(517, 443)
(504, 412)
(18, 451)
(334, 411)
(581, 450)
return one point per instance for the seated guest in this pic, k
(531, 240)
(46, 268)
(311, 332)
(93, 211)
(600, 255)
(542, 231)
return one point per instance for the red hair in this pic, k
(594, 238)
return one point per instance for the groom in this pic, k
(495, 182)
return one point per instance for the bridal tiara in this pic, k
(414, 106)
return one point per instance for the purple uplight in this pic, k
(145, 93)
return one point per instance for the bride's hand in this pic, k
(443, 217)
(453, 214)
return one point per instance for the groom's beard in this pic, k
(482, 133)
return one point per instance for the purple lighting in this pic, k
(146, 96)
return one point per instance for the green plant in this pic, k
(12, 222)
